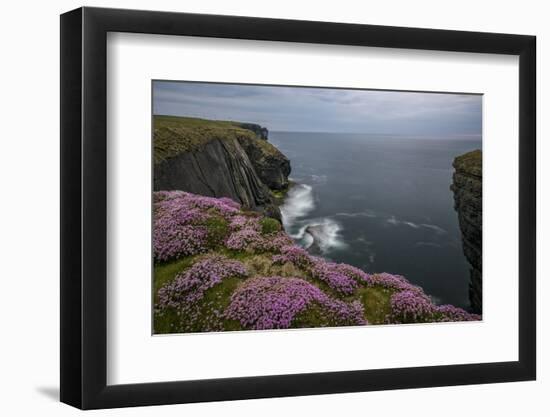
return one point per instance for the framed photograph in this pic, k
(256, 208)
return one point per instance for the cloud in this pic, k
(323, 109)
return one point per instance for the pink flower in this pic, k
(275, 302)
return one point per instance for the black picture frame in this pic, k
(84, 207)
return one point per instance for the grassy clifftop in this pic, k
(174, 135)
(469, 163)
(219, 267)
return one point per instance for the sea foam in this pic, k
(322, 233)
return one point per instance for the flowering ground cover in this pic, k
(218, 267)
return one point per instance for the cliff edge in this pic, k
(219, 159)
(467, 189)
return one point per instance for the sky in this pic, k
(300, 109)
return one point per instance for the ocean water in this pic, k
(381, 203)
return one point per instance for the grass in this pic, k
(166, 272)
(214, 299)
(174, 135)
(168, 322)
(376, 301)
(280, 195)
(266, 148)
(218, 228)
(313, 316)
(262, 265)
(470, 162)
(191, 122)
(217, 297)
(270, 225)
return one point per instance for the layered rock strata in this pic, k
(219, 159)
(467, 189)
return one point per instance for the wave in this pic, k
(365, 213)
(320, 235)
(318, 179)
(395, 222)
(435, 228)
(325, 235)
(298, 203)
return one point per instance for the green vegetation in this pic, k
(218, 263)
(280, 195)
(192, 122)
(174, 135)
(262, 265)
(217, 230)
(314, 316)
(376, 301)
(215, 300)
(266, 148)
(470, 163)
(166, 272)
(269, 225)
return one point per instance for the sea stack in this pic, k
(467, 189)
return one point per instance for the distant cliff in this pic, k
(467, 189)
(219, 159)
(260, 131)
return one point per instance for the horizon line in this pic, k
(465, 135)
(472, 135)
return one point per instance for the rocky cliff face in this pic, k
(260, 131)
(219, 159)
(272, 166)
(467, 189)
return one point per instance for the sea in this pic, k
(381, 203)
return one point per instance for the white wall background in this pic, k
(29, 225)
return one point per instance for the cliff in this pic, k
(219, 159)
(467, 189)
(260, 131)
(221, 267)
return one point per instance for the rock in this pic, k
(270, 164)
(219, 159)
(260, 131)
(467, 189)
(272, 210)
(316, 234)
